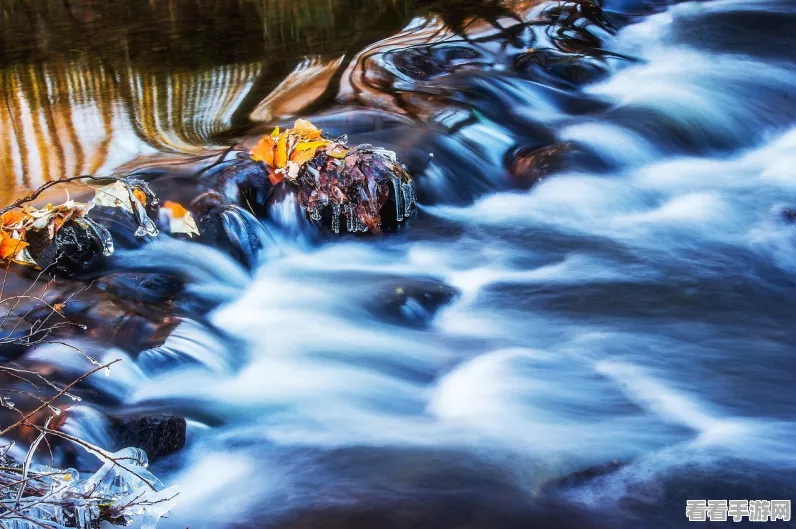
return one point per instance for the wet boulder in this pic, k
(365, 190)
(235, 232)
(242, 181)
(79, 246)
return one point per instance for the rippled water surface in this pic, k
(599, 278)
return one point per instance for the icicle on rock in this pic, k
(327, 172)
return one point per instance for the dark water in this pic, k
(630, 315)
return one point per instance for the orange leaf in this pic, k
(280, 156)
(275, 178)
(140, 195)
(264, 151)
(177, 211)
(302, 157)
(12, 217)
(10, 247)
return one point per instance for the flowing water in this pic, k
(631, 314)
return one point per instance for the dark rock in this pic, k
(234, 231)
(157, 435)
(243, 181)
(153, 288)
(413, 304)
(582, 477)
(121, 224)
(529, 165)
(76, 248)
(365, 191)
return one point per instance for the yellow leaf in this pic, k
(280, 156)
(275, 132)
(311, 145)
(306, 129)
(303, 126)
(302, 157)
(9, 247)
(264, 151)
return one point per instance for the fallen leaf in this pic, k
(336, 150)
(13, 217)
(140, 195)
(264, 151)
(115, 195)
(280, 156)
(275, 132)
(178, 211)
(275, 178)
(306, 129)
(311, 145)
(180, 219)
(302, 157)
(291, 170)
(9, 247)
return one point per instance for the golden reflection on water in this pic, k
(69, 119)
(88, 86)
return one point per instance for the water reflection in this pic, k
(76, 118)
(91, 86)
(88, 86)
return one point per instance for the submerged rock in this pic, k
(584, 476)
(157, 435)
(413, 303)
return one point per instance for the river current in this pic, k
(631, 314)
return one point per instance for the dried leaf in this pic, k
(280, 156)
(180, 219)
(311, 145)
(140, 195)
(13, 217)
(115, 195)
(275, 178)
(291, 170)
(177, 210)
(264, 151)
(306, 129)
(10, 247)
(302, 157)
(336, 150)
(275, 132)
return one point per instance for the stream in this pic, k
(586, 343)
